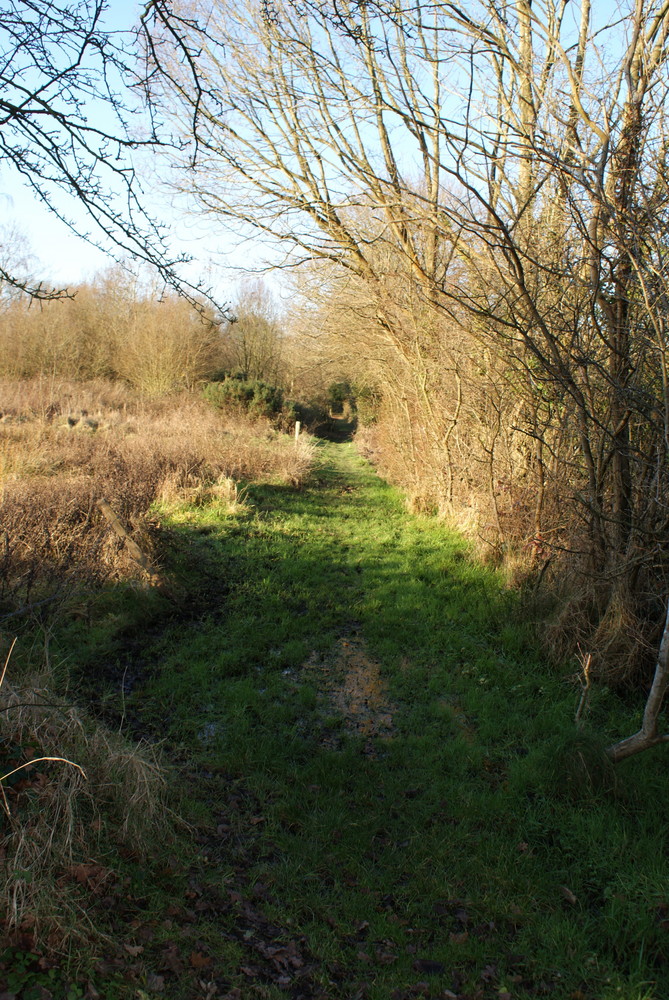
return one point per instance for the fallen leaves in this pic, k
(155, 983)
(200, 961)
(171, 959)
(90, 876)
(458, 937)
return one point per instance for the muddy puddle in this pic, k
(353, 689)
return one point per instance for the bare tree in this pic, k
(16, 259)
(71, 123)
(253, 344)
(503, 164)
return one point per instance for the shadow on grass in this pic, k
(443, 850)
(338, 428)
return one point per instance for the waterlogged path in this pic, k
(363, 721)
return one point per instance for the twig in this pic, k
(121, 723)
(4, 669)
(37, 760)
(28, 763)
(131, 545)
(27, 608)
(542, 574)
(35, 704)
(5, 802)
(586, 663)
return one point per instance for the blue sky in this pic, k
(61, 257)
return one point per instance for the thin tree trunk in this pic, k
(648, 735)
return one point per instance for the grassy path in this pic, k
(437, 841)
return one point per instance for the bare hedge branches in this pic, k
(437, 144)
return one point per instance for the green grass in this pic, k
(476, 839)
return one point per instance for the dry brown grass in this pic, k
(63, 447)
(58, 822)
(622, 643)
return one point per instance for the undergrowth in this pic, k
(76, 799)
(86, 811)
(64, 447)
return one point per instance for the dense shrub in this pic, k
(252, 396)
(257, 399)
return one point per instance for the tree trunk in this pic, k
(648, 735)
